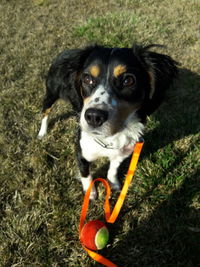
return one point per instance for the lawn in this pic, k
(40, 197)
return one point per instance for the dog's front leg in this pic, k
(112, 173)
(86, 178)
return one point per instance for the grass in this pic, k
(40, 199)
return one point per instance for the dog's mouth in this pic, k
(114, 132)
(107, 120)
(100, 123)
(102, 131)
(96, 119)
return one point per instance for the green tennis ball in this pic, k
(94, 235)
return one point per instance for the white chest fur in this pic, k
(91, 150)
(121, 144)
(119, 147)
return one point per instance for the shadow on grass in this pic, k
(179, 117)
(171, 235)
(168, 237)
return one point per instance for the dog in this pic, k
(112, 90)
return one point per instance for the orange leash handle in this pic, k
(110, 218)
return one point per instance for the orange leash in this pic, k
(110, 217)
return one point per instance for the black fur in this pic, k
(84, 165)
(165, 70)
(62, 80)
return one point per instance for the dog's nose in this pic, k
(96, 117)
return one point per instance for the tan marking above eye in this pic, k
(119, 70)
(95, 70)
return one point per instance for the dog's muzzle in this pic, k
(96, 117)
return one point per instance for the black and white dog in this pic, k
(112, 90)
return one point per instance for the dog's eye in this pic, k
(129, 80)
(88, 80)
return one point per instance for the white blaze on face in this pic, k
(100, 99)
(119, 112)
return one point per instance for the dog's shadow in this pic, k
(170, 236)
(179, 116)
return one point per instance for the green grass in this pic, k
(40, 198)
(97, 29)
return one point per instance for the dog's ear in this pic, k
(63, 76)
(161, 70)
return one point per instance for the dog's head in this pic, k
(117, 85)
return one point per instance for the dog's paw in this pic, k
(86, 183)
(116, 186)
(40, 136)
(93, 193)
(43, 128)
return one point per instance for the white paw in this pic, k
(41, 135)
(86, 181)
(93, 193)
(43, 128)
